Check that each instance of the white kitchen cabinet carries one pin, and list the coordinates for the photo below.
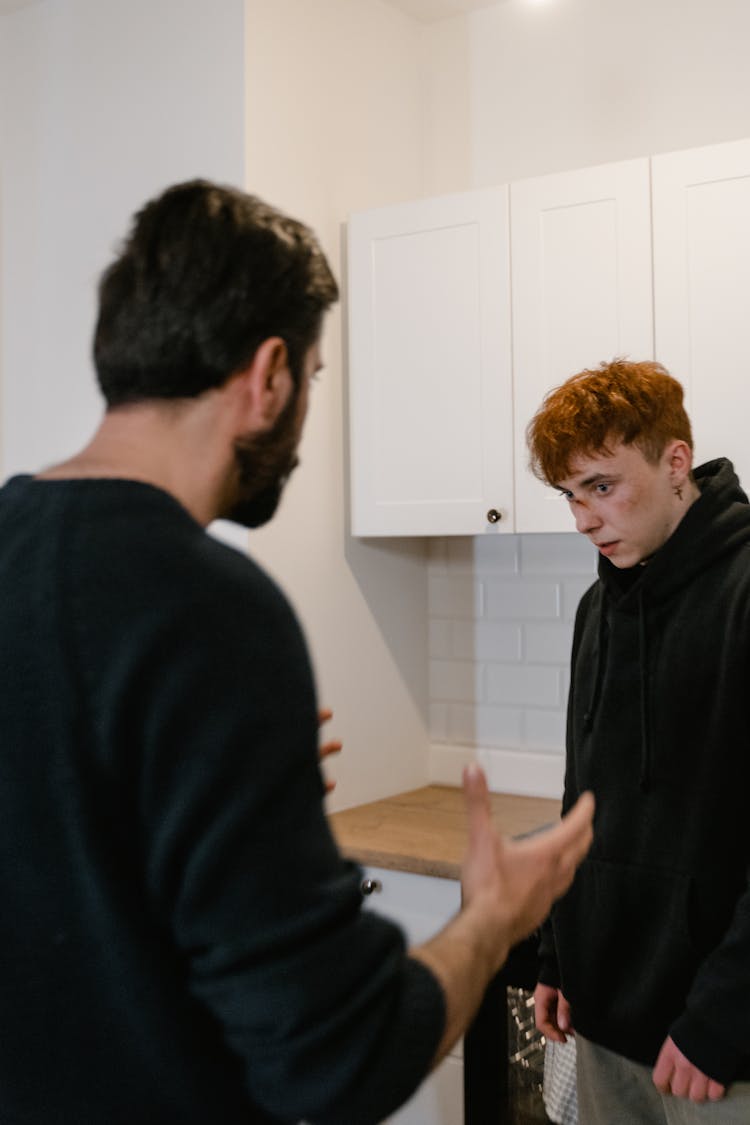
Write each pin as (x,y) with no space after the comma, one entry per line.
(701,207)
(437,411)
(430,398)
(422,905)
(581,293)
(639,258)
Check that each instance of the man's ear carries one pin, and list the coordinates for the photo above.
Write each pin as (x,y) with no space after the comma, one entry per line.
(266,384)
(680,458)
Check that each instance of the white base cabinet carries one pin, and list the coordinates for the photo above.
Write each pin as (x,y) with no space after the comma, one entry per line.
(422,905)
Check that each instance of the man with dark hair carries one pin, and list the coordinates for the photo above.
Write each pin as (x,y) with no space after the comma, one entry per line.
(181,941)
(648,955)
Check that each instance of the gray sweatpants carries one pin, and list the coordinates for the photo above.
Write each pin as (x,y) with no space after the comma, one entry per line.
(614,1091)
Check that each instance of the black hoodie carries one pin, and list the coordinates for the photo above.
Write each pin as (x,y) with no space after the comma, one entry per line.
(653,939)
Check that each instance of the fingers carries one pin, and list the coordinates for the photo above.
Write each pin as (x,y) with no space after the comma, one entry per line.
(674,1074)
(478,811)
(662,1073)
(577,825)
(546,1004)
(328,748)
(564,1019)
(571,839)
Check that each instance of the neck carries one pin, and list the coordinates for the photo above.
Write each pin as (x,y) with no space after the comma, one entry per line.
(177,447)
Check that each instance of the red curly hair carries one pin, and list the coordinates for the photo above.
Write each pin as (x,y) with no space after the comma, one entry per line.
(638,404)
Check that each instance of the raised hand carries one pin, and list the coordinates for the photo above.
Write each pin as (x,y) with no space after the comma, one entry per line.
(328,748)
(520,879)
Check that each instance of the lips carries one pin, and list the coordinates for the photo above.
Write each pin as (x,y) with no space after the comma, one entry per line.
(606,549)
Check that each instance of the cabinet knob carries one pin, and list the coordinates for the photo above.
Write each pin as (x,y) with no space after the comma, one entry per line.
(371,886)
(494,516)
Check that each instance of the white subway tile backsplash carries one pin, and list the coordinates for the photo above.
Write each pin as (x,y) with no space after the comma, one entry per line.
(520,600)
(441,639)
(573,590)
(523,684)
(459,554)
(496,554)
(545,730)
(509,771)
(501,625)
(485,726)
(486,640)
(557,554)
(547,642)
(437,552)
(454,680)
(439,722)
(455,596)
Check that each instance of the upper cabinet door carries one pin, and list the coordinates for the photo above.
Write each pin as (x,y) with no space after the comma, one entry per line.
(702,291)
(430,380)
(582,293)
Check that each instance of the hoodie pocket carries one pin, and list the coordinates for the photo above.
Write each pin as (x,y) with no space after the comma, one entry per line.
(624,946)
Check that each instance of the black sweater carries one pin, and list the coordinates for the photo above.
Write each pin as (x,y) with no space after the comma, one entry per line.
(180,940)
(654,937)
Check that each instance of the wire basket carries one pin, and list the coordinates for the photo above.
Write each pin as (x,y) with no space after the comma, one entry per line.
(525,1060)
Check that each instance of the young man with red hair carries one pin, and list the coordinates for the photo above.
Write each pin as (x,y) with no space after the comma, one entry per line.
(647,957)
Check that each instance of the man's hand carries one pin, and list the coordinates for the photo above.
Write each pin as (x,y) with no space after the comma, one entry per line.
(675,1074)
(508,887)
(518,880)
(552,1013)
(332,747)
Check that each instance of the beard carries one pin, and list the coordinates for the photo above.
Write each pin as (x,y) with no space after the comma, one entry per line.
(264,463)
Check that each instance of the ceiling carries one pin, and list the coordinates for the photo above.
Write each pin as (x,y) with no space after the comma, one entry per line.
(12,5)
(424,10)
(428,11)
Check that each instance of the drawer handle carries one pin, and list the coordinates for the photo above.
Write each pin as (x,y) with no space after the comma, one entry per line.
(371,886)
(494,516)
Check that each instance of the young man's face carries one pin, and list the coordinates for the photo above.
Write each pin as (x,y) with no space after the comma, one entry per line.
(624,503)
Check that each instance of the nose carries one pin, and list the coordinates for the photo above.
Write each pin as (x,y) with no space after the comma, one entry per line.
(586,520)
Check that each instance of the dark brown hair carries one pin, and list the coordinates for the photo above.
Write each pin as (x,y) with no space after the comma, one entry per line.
(205,275)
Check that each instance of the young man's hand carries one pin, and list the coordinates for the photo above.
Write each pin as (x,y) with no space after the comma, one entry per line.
(675,1074)
(552,1013)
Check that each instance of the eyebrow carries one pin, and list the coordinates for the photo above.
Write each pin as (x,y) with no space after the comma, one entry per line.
(593,479)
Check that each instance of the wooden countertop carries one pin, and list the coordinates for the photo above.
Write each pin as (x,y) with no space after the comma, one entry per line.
(424,830)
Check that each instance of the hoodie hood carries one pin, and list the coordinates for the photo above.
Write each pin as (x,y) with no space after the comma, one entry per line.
(716,524)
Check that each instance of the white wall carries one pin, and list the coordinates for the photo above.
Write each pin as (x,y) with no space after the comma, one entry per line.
(102,104)
(349,104)
(335,104)
(567,83)
(545,88)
